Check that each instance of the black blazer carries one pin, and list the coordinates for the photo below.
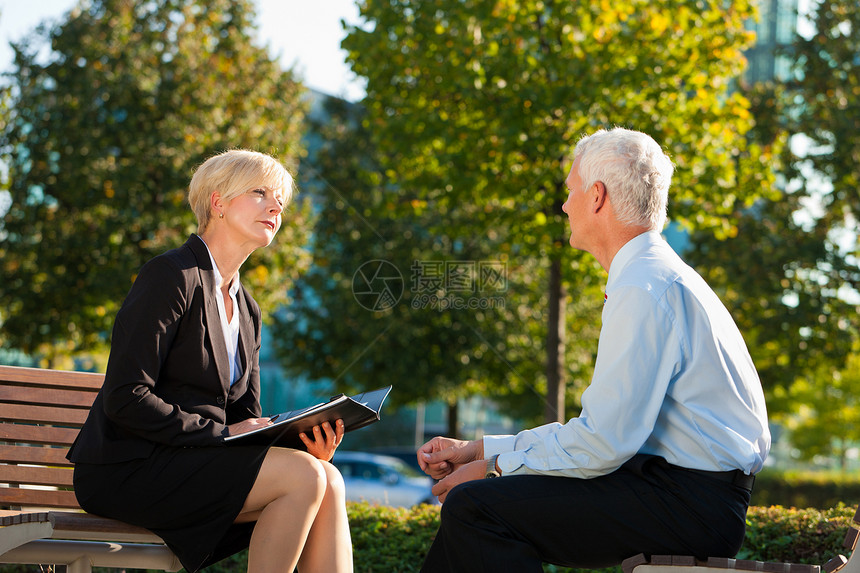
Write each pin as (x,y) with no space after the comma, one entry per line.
(168,374)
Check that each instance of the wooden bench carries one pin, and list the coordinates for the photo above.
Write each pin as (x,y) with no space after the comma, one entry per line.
(40,520)
(686,564)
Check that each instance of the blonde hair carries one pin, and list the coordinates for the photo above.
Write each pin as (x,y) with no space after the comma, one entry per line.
(232,173)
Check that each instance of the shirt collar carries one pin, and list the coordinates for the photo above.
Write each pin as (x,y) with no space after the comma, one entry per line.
(629,251)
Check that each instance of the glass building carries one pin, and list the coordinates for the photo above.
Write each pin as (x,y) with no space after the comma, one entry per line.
(776,28)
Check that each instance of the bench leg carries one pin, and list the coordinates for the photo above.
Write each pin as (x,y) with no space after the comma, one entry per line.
(81,565)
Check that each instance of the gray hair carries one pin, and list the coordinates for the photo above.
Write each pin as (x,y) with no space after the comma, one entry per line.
(634,169)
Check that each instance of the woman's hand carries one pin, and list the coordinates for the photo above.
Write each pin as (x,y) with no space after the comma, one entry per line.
(248,425)
(323,447)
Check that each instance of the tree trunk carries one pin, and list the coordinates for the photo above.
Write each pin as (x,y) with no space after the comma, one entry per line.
(842,452)
(453,421)
(555,368)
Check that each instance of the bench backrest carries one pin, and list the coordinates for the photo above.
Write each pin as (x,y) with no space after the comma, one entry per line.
(40,414)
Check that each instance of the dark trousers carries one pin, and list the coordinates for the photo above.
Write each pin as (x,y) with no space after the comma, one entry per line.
(647,506)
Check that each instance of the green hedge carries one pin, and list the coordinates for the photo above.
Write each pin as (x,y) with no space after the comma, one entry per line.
(796,535)
(395,540)
(806,489)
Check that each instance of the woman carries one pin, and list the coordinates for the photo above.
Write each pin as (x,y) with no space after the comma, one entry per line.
(183,374)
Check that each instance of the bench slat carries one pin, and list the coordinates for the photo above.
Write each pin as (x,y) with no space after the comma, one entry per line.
(37,434)
(67,521)
(36,475)
(34,455)
(46,396)
(38,498)
(51,378)
(45,414)
(72,521)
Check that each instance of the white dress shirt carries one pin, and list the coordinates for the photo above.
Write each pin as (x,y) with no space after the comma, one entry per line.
(673,378)
(229,328)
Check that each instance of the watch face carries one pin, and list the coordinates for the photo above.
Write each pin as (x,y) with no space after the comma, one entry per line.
(491,468)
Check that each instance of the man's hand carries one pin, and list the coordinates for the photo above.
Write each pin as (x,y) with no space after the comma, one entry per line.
(468,472)
(323,447)
(441,456)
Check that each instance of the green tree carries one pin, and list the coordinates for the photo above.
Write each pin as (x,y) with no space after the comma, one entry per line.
(5,197)
(827,422)
(100,145)
(419,338)
(824,101)
(477,104)
(827,105)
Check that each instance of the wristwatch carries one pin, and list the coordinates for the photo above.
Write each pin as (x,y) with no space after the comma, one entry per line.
(491,468)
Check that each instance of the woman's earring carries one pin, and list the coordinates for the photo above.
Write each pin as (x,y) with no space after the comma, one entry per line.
(220,215)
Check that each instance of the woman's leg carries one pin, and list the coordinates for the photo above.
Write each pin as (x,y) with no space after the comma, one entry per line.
(329,547)
(291,495)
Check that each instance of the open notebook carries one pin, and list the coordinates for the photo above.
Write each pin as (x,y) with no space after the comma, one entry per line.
(356,412)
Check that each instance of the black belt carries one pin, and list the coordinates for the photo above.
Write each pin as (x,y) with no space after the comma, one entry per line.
(734,477)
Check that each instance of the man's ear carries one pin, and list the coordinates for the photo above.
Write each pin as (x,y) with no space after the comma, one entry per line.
(599,197)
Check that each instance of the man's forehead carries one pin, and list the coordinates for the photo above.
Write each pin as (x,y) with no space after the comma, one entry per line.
(574,168)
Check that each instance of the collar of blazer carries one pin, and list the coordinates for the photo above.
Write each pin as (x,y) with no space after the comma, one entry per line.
(213,320)
(247,337)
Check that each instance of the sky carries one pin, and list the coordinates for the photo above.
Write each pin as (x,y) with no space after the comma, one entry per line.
(304,34)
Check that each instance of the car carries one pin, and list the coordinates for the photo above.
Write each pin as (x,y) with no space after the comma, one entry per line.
(383,480)
(404,454)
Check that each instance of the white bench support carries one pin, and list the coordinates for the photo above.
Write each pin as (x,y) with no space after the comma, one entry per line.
(81,541)
(82,556)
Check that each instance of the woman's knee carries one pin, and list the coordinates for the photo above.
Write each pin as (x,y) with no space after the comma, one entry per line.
(297,471)
(334,480)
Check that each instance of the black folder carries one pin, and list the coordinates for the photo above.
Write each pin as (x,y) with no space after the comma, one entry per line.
(356,412)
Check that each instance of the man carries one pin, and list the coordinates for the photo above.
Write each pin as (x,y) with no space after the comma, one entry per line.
(673,425)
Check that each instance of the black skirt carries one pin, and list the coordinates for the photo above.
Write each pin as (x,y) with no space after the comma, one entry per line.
(189,497)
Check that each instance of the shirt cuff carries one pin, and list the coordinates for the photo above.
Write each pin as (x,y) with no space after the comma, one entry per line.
(494,445)
(509,460)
